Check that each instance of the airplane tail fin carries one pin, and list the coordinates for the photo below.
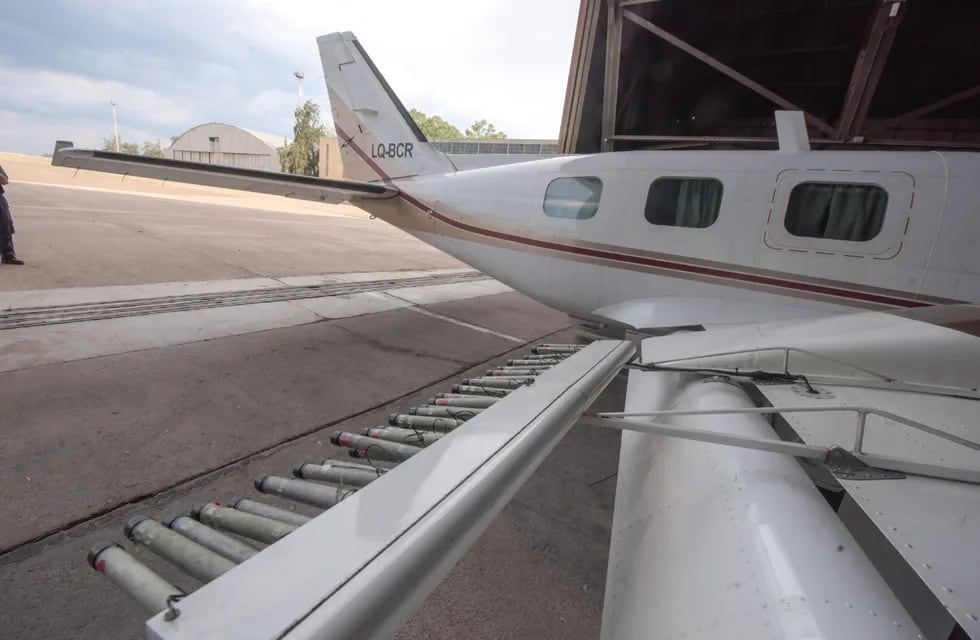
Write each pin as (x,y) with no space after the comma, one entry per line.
(379,140)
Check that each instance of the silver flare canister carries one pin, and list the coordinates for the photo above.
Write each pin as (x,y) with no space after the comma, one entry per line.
(134,578)
(249,525)
(217,541)
(194,559)
(269,511)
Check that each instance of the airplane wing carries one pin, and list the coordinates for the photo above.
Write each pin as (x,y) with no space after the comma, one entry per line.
(795,479)
(361,568)
(869,532)
(270,182)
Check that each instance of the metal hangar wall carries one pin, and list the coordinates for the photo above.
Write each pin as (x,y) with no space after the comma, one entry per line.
(710,73)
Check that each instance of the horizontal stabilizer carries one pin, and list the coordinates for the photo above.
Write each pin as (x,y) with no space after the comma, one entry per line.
(270,182)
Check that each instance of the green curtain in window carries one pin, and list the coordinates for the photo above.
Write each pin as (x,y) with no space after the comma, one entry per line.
(698,202)
(852,212)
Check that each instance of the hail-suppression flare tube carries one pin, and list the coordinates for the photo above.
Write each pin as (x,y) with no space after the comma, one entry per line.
(373,447)
(311,493)
(413,437)
(196,560)
(461,414)
(249,525)
(504,382)
(516,371)
(434,424)
(340,474)
(469,390)
(262,509)
(134,578)
(531,362)
(457,400)
(221,543)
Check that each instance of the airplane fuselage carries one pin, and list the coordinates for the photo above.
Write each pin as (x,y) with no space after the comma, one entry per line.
(617,249)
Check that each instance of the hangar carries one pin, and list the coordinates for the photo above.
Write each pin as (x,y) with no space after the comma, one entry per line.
(226,144)
(706,74)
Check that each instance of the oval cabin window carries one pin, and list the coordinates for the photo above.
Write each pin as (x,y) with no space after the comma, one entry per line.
(576,198)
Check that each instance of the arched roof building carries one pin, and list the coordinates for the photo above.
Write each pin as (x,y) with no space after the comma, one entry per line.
(226,144)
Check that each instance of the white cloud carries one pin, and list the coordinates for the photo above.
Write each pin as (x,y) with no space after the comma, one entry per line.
(50,91)
(174,64)
(24,133)
(503,60)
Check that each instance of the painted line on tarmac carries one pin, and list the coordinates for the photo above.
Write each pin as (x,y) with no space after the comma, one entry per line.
(468,325)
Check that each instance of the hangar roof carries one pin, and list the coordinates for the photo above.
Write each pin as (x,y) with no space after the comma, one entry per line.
(240,139)
(868,72)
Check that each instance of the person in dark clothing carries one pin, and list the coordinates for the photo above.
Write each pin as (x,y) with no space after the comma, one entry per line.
(7,254)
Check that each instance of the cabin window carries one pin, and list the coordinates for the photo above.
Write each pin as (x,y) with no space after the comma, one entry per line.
(683,202)
(576,198)
(836,211)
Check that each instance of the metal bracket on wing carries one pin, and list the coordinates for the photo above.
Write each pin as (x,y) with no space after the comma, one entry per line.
(874,380)
(846,465)
(826,455)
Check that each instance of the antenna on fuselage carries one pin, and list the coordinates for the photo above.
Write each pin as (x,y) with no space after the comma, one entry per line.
(791,132)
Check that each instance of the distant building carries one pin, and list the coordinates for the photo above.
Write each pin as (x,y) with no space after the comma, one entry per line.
(226,144)
(465,153)
(468,146)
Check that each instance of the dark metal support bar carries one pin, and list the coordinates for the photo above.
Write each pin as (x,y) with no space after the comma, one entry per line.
(868,67)
(929,108)
(614,43)
(885,142)
(578,75)
(725,69)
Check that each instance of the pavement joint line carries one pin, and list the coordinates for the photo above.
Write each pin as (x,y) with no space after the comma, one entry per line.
(136,350)
(468,325)
(44,537)
(26,317)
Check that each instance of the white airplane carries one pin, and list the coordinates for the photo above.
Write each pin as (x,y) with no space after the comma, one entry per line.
(800,454)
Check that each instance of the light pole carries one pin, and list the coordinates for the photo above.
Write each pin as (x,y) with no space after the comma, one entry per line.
(299,87)
(115,124)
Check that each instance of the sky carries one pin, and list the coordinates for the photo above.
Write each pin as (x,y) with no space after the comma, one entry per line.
(173,64)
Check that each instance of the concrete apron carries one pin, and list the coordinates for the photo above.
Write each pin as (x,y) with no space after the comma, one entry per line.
(26,347)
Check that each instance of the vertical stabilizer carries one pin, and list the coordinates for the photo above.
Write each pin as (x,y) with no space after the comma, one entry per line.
(379,139)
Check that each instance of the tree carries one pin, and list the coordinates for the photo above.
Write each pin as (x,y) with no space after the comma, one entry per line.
(152,149)
(109,144)
(485,131)
(302,155)
(434,127)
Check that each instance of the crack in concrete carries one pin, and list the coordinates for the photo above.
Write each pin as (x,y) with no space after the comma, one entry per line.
(390,348)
